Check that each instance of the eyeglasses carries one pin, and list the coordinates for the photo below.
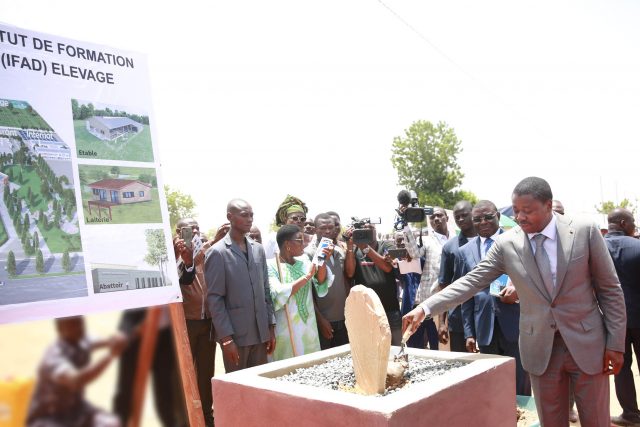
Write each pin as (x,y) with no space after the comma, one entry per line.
(298,218)
(297,240)
(487,217)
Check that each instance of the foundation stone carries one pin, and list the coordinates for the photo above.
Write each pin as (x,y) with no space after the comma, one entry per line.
(370,338)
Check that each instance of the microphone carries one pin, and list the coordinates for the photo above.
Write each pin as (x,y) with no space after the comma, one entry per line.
(404,198)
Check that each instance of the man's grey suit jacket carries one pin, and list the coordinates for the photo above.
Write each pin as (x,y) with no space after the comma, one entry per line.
(587,305)
(238,295)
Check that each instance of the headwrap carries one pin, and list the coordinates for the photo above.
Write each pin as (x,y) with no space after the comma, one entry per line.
(290,204)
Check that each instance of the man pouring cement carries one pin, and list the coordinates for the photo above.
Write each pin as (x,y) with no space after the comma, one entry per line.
(572,311)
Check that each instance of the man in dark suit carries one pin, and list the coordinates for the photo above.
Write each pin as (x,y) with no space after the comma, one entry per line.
(238,295)
(490,321)
(625,252)
(572,312)
(450,327)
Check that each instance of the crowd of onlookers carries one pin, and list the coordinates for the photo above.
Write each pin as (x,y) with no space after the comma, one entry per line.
(282,294)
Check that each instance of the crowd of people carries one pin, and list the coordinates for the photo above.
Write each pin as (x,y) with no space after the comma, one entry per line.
(552,293)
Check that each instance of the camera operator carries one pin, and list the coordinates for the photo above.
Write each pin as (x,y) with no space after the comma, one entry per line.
(369,265)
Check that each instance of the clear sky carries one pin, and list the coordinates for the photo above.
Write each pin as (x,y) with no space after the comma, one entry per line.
(258,99)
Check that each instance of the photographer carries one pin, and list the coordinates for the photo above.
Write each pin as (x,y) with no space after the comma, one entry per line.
(368,265)
(194,291)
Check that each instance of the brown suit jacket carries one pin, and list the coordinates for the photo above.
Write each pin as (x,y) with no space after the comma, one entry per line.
(587,305)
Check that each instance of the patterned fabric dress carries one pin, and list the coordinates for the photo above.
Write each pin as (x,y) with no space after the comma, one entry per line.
(299,307)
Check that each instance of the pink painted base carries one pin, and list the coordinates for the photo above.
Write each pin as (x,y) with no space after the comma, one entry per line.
(481,393)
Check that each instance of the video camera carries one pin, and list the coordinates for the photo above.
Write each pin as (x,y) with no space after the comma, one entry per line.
(413,212)
(362,235)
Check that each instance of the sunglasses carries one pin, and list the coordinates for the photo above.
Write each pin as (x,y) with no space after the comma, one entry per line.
(487,217)
(297,240)
(298,218)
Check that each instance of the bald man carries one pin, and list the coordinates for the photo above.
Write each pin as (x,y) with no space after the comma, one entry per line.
(625,252)
(239,296)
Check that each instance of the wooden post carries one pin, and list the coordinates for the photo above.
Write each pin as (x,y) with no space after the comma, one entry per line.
(145,358)
(185,365)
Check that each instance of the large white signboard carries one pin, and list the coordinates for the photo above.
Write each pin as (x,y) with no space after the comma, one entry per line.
(84,223)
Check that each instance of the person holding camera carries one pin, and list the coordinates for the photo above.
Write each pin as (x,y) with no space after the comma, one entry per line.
(190,259)
(330,308)
(368,264)
(293,279)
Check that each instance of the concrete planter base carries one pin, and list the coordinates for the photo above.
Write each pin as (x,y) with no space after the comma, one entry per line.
(481,393)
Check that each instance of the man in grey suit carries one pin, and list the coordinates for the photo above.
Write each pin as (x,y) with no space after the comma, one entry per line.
(572,311)
(238,293)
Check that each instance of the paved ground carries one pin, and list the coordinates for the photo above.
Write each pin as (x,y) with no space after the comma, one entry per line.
(23,345)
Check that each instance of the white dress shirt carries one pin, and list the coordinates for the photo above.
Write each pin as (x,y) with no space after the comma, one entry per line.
(483,247)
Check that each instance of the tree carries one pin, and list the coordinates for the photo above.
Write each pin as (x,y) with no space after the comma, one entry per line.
(66,262)
(39,262)
(115,171)
(156,250)
(608,206)
(11,263)
(36,240)
(57,216)
(75,109)
(425,160)
(180,205)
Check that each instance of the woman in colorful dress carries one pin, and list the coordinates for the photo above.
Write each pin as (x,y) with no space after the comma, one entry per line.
(291,276)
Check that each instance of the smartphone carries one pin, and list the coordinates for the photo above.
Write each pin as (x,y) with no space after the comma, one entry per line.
(186,234)
(397,253)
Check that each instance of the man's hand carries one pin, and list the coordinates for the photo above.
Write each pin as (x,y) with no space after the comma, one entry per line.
(443,333)
(230,353)
(613,361)
(222,231)
(413,319)
(181,249)
(509,295)
(328,251)
(325,327)
(271,344)
(471,345)
(348,232)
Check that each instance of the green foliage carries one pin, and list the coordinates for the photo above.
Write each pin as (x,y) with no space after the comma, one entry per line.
(608,206)
(21,118)
(425,160)
(115,171)
(39,261)
(156,247)
(11,263)
(181,205)
(66,262)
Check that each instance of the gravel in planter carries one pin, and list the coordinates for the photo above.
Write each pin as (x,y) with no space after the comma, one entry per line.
(337,373)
